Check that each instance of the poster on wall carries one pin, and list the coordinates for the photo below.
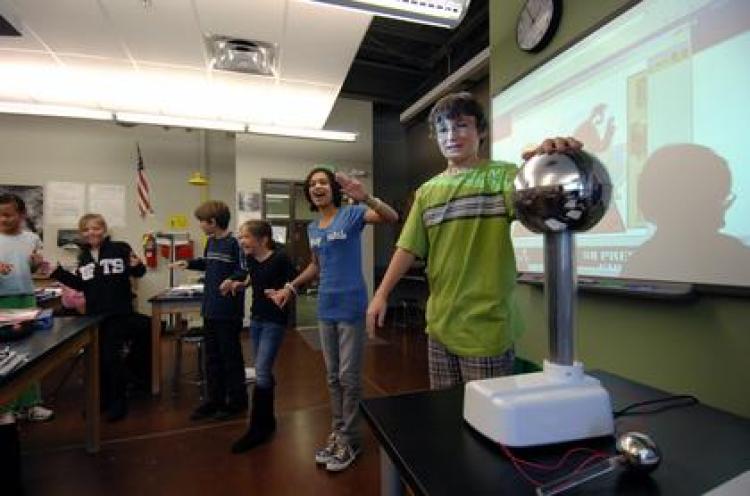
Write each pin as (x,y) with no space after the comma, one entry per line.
(248,201)
(65,203)
(33,198)
(109,201)
(68,239)
(248,206)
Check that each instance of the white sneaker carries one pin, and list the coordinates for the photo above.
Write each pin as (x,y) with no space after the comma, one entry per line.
(38,413)
(324,455)
(249,375)
(343,456)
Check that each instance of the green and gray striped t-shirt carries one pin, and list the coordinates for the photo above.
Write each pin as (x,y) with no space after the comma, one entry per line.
(461,224)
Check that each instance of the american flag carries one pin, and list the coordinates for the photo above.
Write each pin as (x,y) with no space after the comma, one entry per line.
(144,198)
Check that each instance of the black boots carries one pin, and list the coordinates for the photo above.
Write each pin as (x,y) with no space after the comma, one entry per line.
(262,421)
(10,460)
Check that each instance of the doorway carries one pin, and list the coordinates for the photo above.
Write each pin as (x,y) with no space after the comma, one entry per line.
(284,206)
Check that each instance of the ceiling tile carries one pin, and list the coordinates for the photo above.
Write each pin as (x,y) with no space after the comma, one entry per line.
(24,42)
(71,26)
(320,42)
(259,20)
(95,39)
(165,32)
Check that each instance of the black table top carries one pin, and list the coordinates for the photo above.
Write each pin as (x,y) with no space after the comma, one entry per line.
(437,453)
(168,296)
(43,342)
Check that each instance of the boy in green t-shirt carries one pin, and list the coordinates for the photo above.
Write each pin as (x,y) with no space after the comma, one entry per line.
(460,223)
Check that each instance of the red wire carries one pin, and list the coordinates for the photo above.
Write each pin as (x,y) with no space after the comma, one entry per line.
(588,461)
(517,462)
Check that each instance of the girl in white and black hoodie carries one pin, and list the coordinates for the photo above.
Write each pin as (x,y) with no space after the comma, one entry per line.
(103,275)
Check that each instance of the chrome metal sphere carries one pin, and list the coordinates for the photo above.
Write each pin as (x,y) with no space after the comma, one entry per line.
(639,451)
(561,192)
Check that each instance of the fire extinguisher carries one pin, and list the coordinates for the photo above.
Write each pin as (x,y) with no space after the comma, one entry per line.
(149,250)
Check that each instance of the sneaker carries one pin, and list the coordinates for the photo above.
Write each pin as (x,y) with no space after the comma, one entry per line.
(324,455)
(204,411)
(343,456)
(38,413)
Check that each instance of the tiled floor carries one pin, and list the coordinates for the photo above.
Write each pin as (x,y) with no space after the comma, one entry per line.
(158,451)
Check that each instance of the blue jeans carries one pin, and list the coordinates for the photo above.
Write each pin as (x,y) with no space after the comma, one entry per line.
(267,337)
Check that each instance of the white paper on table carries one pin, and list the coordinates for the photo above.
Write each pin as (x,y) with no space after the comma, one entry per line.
(64,203)
(109,201)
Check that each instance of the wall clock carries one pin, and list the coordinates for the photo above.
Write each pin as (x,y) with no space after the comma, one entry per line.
(537,24)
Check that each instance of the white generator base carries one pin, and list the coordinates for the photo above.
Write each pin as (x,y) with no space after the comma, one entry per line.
(556,405)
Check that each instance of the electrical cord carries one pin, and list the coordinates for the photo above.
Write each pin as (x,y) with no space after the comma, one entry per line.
(667,403)
(677,401)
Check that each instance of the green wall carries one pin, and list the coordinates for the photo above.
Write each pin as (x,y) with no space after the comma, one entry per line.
(507,62)
(701,347)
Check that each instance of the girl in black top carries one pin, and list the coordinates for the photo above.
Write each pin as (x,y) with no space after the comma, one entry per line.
(268,268)
(103,275)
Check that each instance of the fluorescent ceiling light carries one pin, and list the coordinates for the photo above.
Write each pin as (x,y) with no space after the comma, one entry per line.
(54,111)
(323,134)
(442,13)
(166,120)
(171,121)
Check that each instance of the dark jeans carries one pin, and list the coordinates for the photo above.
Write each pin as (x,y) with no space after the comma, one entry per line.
(115,334)
(267,337)
(225,369)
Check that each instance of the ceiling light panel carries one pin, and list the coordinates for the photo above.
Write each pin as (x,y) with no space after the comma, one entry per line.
(244,98)
(12,66)
(53,111)
(112,83)
(324,134)
(300,104)
(442,13)
(171,121)
(180,92)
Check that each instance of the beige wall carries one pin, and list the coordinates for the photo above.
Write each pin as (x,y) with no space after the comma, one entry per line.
(35,150)
(269,157)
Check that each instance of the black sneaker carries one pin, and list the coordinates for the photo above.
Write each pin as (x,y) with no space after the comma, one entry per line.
(227,412)
(205,410)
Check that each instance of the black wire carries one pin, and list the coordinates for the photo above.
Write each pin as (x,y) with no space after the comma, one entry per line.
(677,401)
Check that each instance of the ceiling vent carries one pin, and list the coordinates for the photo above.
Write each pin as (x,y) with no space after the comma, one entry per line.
(245,56)
(7,29)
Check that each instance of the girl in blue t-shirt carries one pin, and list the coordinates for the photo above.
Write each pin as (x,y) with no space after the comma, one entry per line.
(335,242)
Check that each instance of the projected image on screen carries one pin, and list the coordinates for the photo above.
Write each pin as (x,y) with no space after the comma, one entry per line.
(662,96)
